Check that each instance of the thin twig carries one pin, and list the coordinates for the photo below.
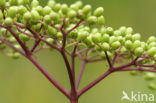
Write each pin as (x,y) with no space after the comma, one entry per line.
(85,89)
(48,76)
(76,26)
(80,74)
(108,60)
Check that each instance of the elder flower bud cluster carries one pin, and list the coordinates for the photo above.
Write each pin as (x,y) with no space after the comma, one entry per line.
(62,27)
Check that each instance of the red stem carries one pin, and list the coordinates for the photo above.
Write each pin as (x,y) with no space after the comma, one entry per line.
(108,60)
(35,45)
(38,37)
(48,76)
(73,61)
(80,74)
(77,25)
(74,101)
(85,89)
(68,69)
(19,41)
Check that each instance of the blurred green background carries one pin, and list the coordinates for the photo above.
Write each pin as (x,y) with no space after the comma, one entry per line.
(21,82)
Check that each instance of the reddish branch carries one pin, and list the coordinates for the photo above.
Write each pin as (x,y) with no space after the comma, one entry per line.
(80,73)
(108,60)
(47,75)
(76,26)
(85,89)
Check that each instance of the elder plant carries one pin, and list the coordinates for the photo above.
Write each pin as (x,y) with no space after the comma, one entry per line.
(76,32)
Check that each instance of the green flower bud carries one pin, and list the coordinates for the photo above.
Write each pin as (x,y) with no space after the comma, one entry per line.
(101,20)
(115,45)
(109,31)
(47,19)
(51,31)
(117,33)
(51,3)
(20,2)
(102,54)
(71,14)
(123,49)
(8,21)
(11,39)
(25,2)
(64,8)
(46,10)
(3,46)
(12,11)
(24,37)
(103,30)
(7,4)
(152,86)
(136,44)
(87,29)
(96,38)
(152,44)
(39,9)
(73,34)
(154,57)
(86,9)
(150,76)
(144,45)
(2,3)
(59,35)
(105,38)
(121,39)
(57,7)
(151,39)
(105,46)
(99,11)
(82,35)
(3,31)
(1,15)
(98,48)
(138,51)
(152,51)
(136,36)
(79,4)
(50,40)
(112,39)
(91,19)
(128,37)
(94,30)
(129,30)
(27,16)
(54,16)
(15,55)
(89,42)
(74,7)
(128,44)
(13,2)
(35,15)
(123,30)
(22,10)
(34,3)
(133,73)
(37,26)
